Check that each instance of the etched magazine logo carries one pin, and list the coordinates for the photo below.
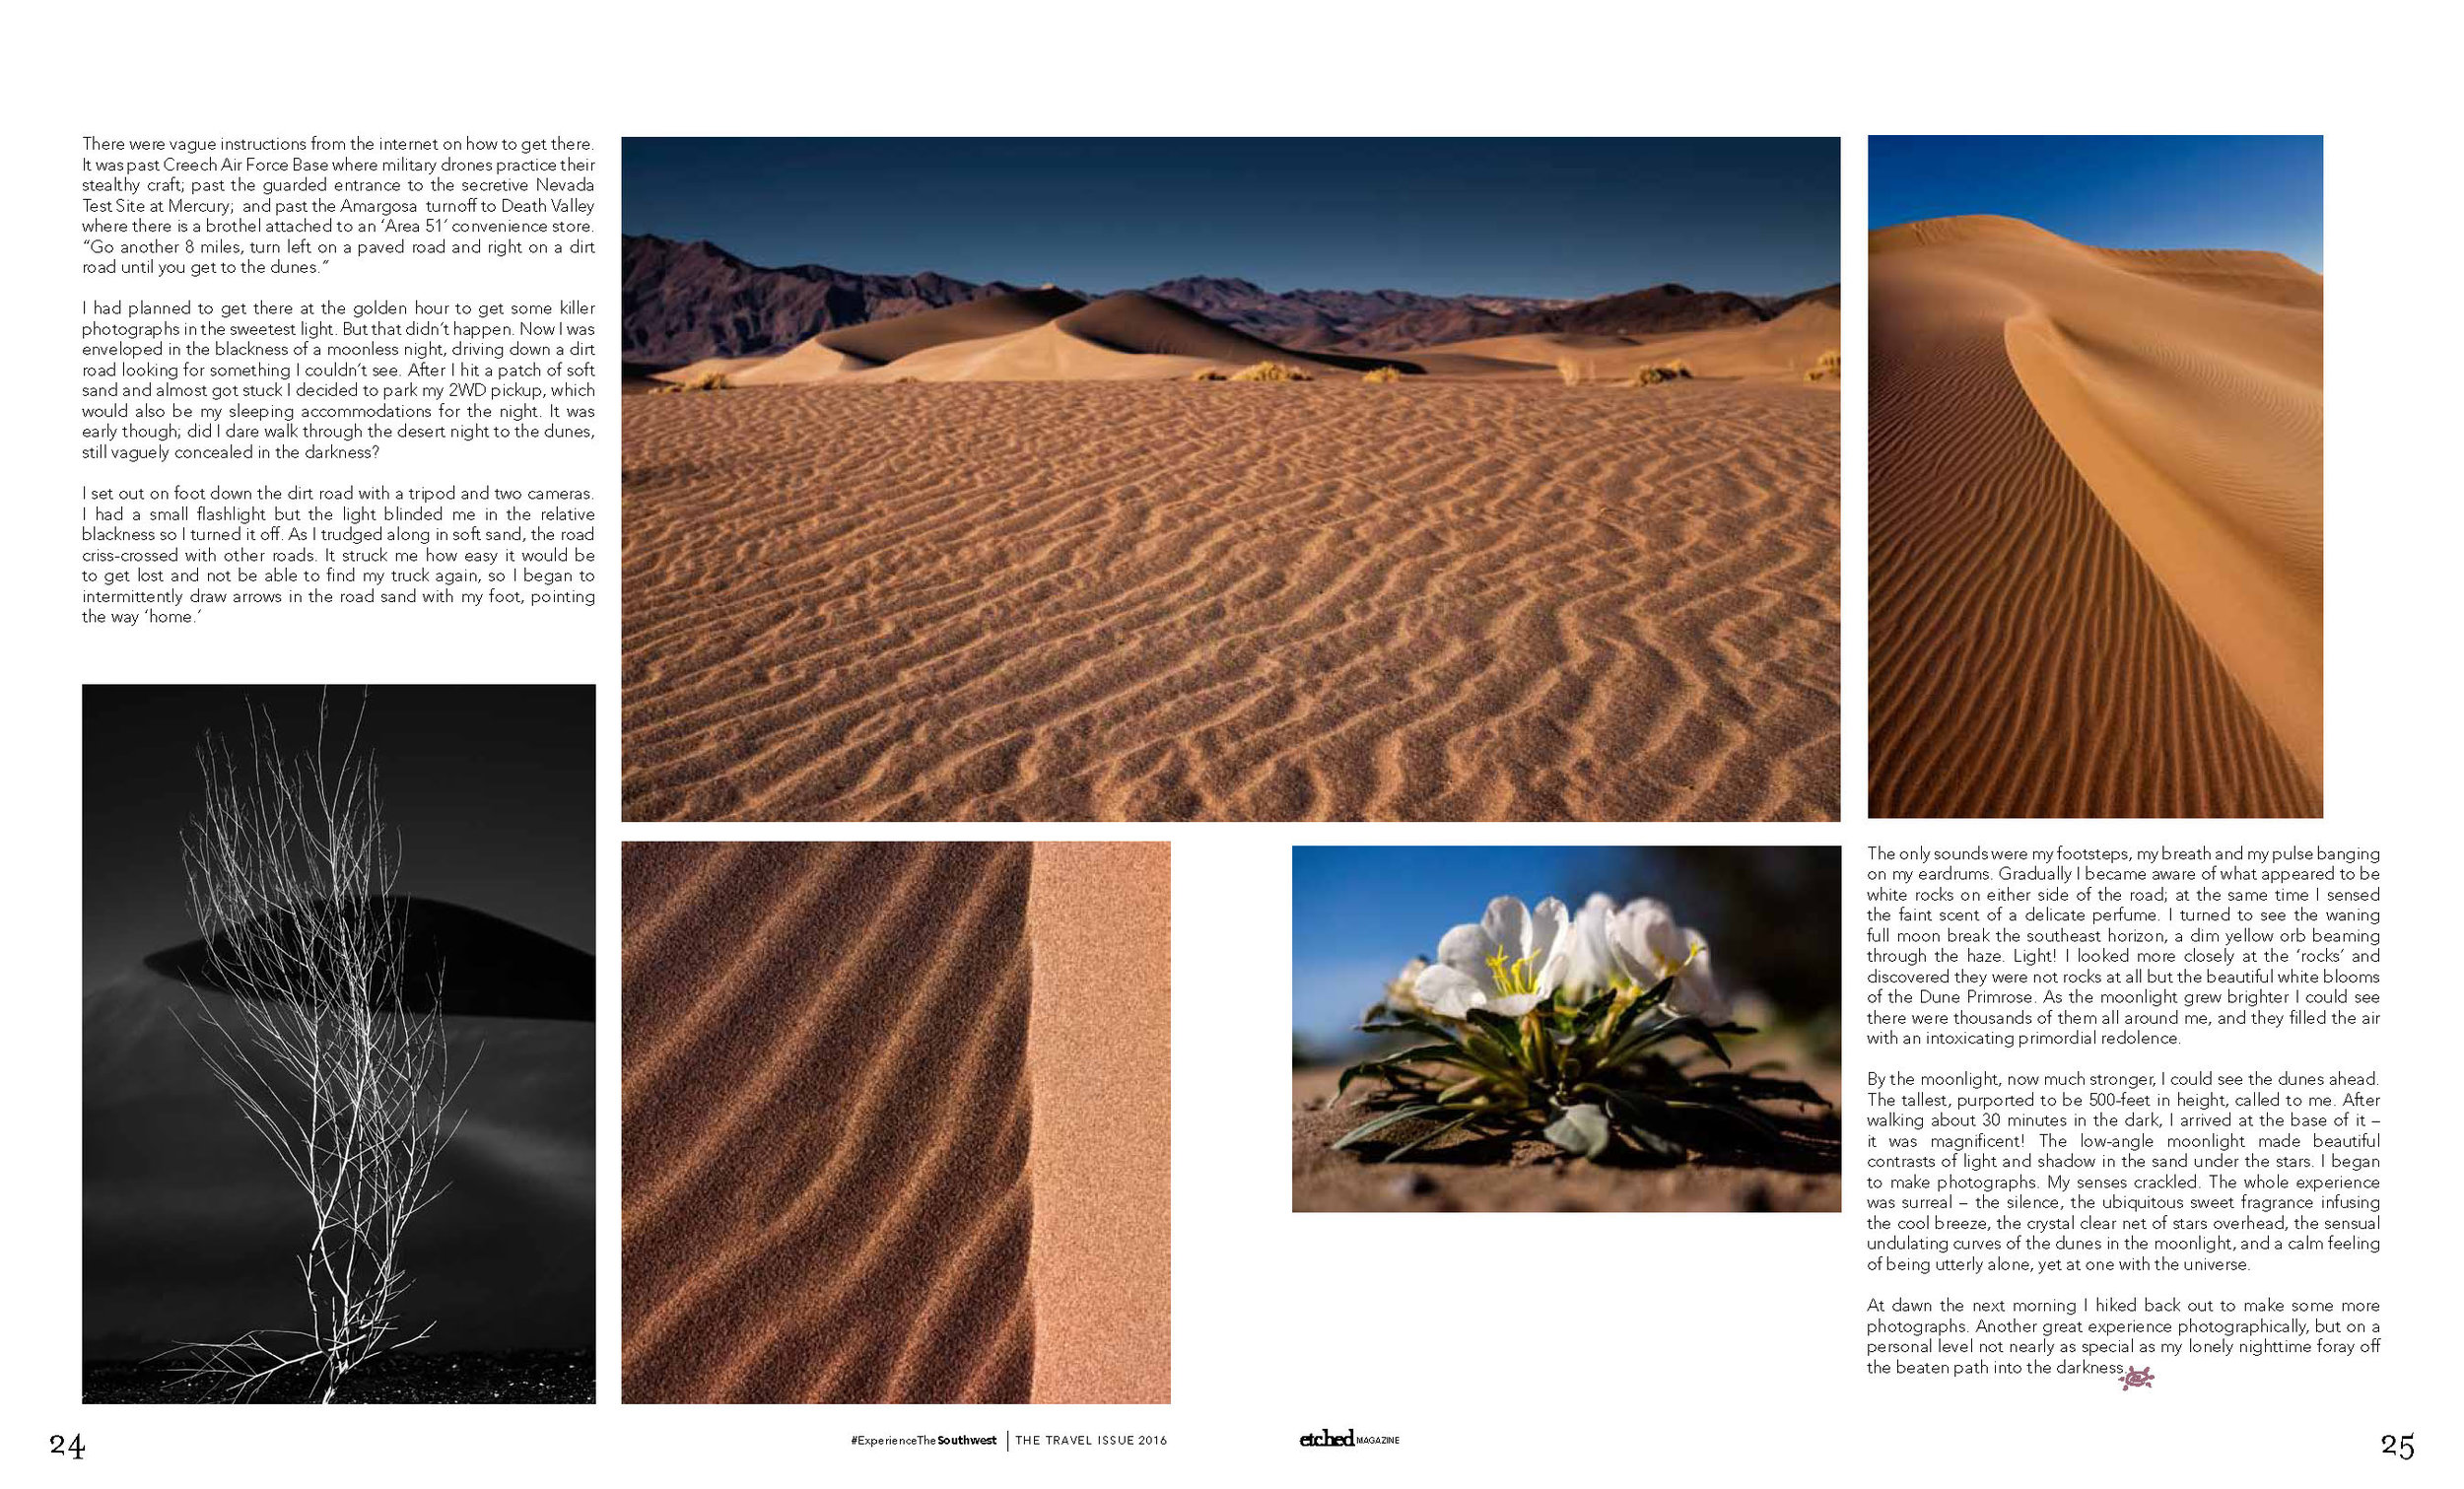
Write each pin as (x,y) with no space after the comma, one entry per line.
(1327,1437)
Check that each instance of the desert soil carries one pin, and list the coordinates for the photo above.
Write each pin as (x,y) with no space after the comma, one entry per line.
(1503,599)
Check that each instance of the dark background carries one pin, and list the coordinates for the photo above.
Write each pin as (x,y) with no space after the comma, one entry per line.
(190,1225)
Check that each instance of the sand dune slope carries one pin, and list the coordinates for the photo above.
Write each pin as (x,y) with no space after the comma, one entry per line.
(826,1123)
(1085,601)
(1129,336)
(2095,541)
(1783,347)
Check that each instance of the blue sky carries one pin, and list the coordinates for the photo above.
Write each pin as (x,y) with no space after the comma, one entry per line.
(1554,218)
(1358,913)
(2115,192)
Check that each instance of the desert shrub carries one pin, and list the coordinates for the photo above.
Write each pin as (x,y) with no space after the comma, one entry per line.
(707,382)
(1382,374)
(1825,366)
(291,874)
(1208,375)
(1648,378)
(1270,371)
(1570,370)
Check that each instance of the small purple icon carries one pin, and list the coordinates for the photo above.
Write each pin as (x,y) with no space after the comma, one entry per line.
(2136,1377)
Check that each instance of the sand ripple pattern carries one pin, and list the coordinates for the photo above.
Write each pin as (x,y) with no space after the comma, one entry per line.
(826,1123)
(1094,601)
(2027,660)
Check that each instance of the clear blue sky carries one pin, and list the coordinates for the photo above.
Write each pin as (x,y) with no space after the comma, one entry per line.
(2115,192)
(1556,218)
(1358,913)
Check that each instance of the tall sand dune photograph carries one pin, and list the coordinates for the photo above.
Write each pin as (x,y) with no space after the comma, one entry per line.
(2097,456)
(1042,480)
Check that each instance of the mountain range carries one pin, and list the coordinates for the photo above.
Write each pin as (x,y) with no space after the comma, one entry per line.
(687,300)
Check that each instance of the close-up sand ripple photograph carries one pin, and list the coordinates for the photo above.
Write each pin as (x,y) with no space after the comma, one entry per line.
(2097,455)
(897,1122)
(1046,480)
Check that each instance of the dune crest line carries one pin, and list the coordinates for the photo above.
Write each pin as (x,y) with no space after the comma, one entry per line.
(2097,522)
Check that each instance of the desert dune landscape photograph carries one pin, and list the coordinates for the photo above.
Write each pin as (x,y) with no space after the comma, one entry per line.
(1041,484)
(2098,454)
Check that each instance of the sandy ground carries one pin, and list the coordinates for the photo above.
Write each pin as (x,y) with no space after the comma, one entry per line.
(467,1379)
(830,1144)
(1502,599)
(2096,528)
(1536,1176)
(1099,1042)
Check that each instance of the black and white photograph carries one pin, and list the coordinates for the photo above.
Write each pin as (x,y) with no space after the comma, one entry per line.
(338,1126)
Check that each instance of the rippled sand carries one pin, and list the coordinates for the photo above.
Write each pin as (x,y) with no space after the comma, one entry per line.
(1460,600)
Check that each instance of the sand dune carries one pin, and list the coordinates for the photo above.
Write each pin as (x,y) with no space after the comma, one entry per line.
(1029,336)
(1497,600)
(2096,525)
(1783,348)
(829,1175)
(993,316)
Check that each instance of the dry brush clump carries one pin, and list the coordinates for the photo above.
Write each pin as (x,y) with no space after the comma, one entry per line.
(1382,374)
(1660,373)
(1272,372)
(1825,366)
(291,874)
(1569,371)
(1207,376)
(701,383)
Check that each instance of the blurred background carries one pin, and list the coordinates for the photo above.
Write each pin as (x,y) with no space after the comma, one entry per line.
(1771,915)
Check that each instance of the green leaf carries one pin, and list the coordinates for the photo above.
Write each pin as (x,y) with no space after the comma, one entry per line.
(1380,1123)
(1652,998)
(1430,1137)
(1408,1023)
(1507,1032)
(1582,1129)
(1653,1144)
(1763,1088)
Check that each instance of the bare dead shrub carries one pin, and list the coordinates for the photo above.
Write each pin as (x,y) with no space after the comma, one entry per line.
(291,872)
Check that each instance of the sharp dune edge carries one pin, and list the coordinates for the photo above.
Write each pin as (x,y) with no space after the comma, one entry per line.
(2096,556)
(1467,600)
(829,1162)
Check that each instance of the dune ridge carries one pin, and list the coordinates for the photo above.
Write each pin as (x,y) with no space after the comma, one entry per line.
(825,1124)
(1094,601)
(2096,536)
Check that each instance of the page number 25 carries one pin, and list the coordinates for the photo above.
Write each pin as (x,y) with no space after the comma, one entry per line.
(2396,1446)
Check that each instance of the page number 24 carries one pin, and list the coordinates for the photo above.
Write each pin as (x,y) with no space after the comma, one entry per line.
(2396,1446)
(69,1448)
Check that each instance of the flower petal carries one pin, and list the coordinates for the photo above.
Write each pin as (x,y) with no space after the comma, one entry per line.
(1509,924)
(1466,949)
(1514,1007)
(1447,994)
(1697,990)
(1549,923)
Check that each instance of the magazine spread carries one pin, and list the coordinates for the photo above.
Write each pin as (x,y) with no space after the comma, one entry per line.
(729,690)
